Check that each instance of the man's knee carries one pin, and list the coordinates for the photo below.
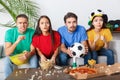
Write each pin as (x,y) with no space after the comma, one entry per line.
(63,58)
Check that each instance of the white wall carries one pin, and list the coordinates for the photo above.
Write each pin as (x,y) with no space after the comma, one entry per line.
(56,9)
(2,34)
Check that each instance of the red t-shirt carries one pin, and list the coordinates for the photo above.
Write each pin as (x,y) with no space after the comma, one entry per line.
(44,43)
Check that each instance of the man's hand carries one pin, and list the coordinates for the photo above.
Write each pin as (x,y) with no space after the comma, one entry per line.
(24,56)
(69,52)
(21,37)
(86,49)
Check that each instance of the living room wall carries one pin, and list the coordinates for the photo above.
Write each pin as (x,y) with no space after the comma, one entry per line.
(56,9)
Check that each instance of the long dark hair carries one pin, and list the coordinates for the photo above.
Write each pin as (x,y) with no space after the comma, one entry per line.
(103,26)
(39,32)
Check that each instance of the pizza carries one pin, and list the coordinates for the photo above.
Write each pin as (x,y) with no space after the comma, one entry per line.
(83,70)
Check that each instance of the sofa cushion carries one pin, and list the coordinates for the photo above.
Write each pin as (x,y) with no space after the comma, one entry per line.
(1,50)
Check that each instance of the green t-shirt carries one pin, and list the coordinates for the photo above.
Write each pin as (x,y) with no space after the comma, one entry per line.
(12,35)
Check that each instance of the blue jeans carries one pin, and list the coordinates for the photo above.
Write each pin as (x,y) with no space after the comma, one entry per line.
(104,52)
(63,58)
(9,66)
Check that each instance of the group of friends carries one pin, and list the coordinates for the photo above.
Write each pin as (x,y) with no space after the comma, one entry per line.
(44,43)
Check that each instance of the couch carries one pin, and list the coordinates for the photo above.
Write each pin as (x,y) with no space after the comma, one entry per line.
(114,45)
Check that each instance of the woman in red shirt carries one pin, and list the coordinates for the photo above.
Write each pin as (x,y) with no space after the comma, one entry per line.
(45,40)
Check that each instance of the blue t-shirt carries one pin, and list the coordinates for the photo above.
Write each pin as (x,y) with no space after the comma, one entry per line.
(12,35)
(69,38)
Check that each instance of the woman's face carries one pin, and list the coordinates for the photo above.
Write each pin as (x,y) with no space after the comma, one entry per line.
(97,22)
(44,24)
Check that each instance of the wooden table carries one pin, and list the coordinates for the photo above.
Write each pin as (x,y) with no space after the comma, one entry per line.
(38,74)
(54,74)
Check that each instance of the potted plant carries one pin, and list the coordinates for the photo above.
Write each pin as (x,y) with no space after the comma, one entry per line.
(15,7)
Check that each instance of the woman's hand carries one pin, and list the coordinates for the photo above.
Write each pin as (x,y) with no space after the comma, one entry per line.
(53,59)
(43,58)
(103,38)
(96,37)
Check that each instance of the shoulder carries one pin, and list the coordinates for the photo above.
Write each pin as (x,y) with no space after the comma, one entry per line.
(80,27)
(35,37)
(12,30)
(56,33)
(62,28)
(90,31)
(105,30)
(30,30)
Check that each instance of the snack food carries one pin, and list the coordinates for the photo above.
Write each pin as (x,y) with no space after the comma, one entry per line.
(15,59)
(91,63)
(46,65)
(83,70)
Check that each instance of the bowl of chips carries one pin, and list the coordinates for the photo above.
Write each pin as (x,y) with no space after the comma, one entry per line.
(15,59)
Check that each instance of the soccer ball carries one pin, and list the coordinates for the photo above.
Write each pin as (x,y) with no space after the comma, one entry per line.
(78,50)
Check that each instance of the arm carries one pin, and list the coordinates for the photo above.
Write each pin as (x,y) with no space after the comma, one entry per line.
(54,55)
(31,53)
(107,38)
(65,50)
(9,47)
(85,45)
(42,57)
(27,54)
(106,44)
(32,50)
(93,45)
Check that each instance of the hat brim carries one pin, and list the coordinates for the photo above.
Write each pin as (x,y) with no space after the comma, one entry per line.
(97,15)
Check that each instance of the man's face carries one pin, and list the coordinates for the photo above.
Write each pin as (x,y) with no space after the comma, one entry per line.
(22,24)
(71,24)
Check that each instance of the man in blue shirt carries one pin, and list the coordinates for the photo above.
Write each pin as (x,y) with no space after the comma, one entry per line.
(71,33)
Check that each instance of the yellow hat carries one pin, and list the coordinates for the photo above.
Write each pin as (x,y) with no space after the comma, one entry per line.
(94,13)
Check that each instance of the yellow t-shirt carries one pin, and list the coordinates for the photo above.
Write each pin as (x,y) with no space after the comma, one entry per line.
(99,43)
